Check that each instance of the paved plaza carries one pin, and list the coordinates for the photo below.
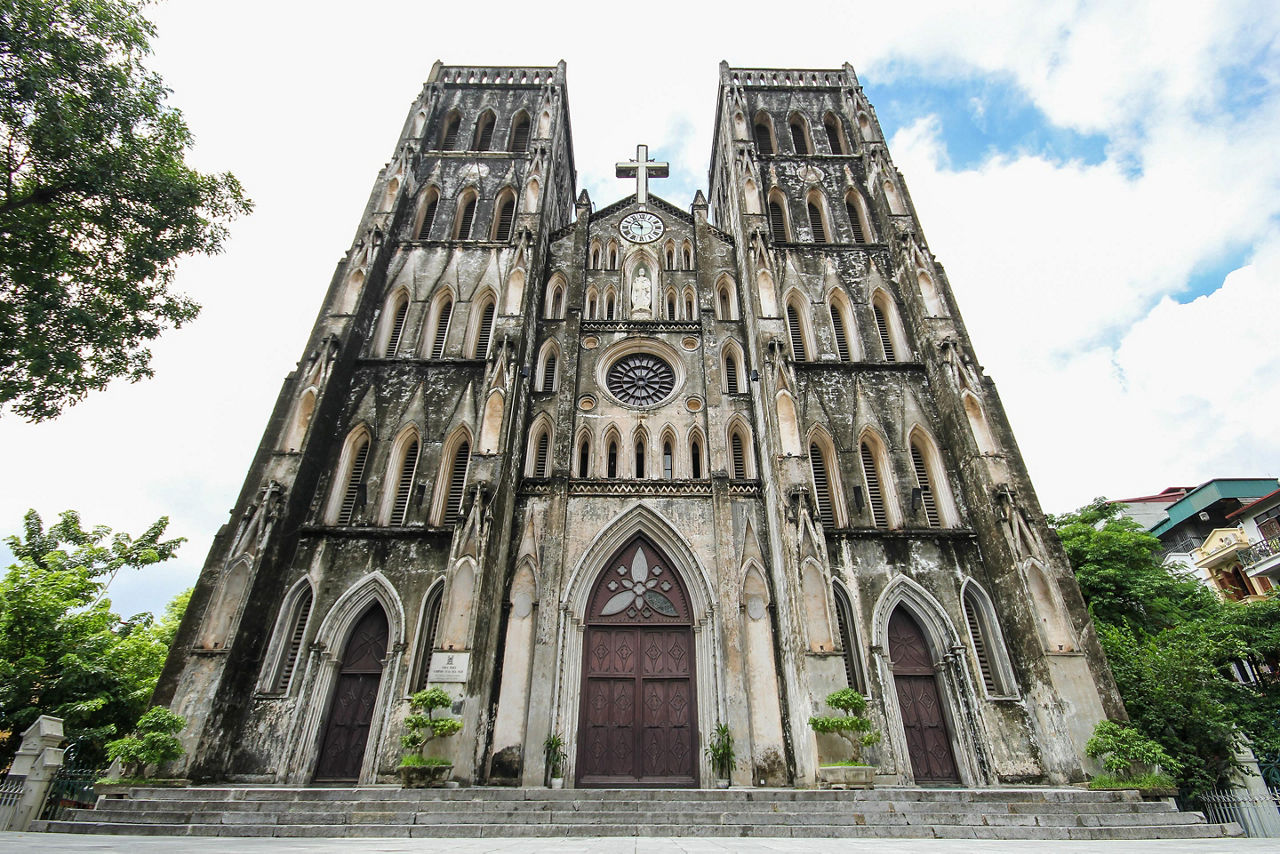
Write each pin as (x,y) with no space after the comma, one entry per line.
(29,843)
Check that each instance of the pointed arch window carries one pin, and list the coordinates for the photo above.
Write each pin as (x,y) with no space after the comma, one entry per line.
(686,256)
(449,136)
(353,494)
(404,483)
(841,333)
(541,456)
(816,222)
(795,328)
(725,304)
(427,638)
(834,136)
(584,457)
(927,498)
(484,329)
(595,256)
(549,365)
(671,256)
(739,459)
(466,216)
(882,327)
(848,639)
(457,483)
(640,455)
(611,467)
(396,330)
(484,132)
(799,135)
(988,646)
(555,306)
(609,306)
(591,303)
(671,304)
(688,306)
(875,494)
(822,486)
(731,372)
(854,210)
(429,214)
(506,215)
(520,134)
(763,134)
(613,255)
(668,460)
(291,631)
(440,330)
(695,458)
(777,220)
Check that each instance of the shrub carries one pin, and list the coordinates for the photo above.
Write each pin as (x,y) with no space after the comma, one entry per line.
(154,741)
(852,726)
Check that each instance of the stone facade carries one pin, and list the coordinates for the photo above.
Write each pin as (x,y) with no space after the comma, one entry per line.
(623,487)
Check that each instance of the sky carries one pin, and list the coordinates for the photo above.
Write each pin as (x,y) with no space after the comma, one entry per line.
(1099,180)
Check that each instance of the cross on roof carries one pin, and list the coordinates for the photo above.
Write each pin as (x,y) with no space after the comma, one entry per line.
(642,169)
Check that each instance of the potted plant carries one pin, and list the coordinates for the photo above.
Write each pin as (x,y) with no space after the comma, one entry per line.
(721,755)
(153,742)
(553,747)
(1132,761)
(418,771)
(854,728)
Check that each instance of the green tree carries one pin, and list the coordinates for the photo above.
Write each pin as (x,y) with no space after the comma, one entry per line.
(1171,643)
(97,203)
(63,651)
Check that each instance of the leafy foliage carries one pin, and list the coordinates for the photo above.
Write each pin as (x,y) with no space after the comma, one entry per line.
(721,752)
(852,726)
(1144,782)
(423,728)
(63,651)
(154,741)
(1171,643)
(96,204)
(553,749)
(1123,750)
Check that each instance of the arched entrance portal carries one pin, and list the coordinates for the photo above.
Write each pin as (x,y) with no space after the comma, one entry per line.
(637,725)
(923,721)
(351,709)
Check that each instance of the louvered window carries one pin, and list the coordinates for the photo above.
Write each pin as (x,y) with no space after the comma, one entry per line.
(612,469)
(882,326)
(520,135)
(730,374)
(484,330)
(457,481)
(668,460)
(584,458)
(764,140)
(430,624)
(980,646)
(855,223)
(926,488)
(609,308)
(355,483)
(506,213)
(797,138)
(465,217)
(818,464)
(848,638)
(639,458)
(442,329)
(777,222)
(874,495)
(815,223)
(837,325)
(833,134)
(695,459)
(484,133)
(739,455)
(797,334)
(449,139)
(397,329)
(671,306)
(540,458)
(428,217)
(404,486)
(301,611)
(549,373)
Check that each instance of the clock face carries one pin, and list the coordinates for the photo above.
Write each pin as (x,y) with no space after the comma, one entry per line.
(642,227)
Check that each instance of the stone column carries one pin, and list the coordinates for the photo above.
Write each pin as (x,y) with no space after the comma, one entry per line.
(37,761)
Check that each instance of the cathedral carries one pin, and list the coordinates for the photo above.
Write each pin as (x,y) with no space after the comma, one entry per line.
(625,473)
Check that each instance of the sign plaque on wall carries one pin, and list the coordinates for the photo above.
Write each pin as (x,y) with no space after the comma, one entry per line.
(449,667)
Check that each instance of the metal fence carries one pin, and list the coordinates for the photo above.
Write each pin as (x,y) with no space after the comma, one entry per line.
(1252,812)
(10,794)
(72,787)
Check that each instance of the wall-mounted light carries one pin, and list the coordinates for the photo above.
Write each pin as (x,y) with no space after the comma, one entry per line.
(755,376)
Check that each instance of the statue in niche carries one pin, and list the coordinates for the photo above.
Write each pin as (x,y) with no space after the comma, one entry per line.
(641,292)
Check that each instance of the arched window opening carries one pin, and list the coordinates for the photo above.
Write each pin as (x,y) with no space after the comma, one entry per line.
(441,332)
(695,459)
(882,326)
(763,135)
(397,327)
(640,449)
(671,256)
(520,134)
(449,136)
(466,216)
(668,461)
(848,639)
(506,215)
(591,305)
(612,464)
(777,220)
(724,304)
(297,627)
(429,215)
(301,420)
(816,223)
(796,331)
(404,484)
(609,307)
(549,372)
(484,132)
(671,305)
(737,456)
(731,373)
(875,496)
(799,136)
(834,138)
(584,457)
(427,640)
(557,303)
(595,256)
(855,220)
(987,645)
(837,326)
(822,486)
(927,498)
(686,257)
(540,457)
(457,482)
(484,330)
(354,492)
(613,255)
(688,306)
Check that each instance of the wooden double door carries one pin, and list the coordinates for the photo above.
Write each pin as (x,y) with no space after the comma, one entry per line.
(638,720)
(923,719)
(346,731)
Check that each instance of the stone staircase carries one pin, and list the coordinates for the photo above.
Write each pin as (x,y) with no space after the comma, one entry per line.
(388,811)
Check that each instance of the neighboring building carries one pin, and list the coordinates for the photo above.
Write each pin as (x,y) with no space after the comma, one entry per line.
(1150,510)
(1260,524)
(622,474)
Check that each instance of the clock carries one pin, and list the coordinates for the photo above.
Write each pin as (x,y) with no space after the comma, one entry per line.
(641,227)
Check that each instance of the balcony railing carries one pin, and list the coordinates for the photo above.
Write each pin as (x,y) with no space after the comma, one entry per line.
(1259,551)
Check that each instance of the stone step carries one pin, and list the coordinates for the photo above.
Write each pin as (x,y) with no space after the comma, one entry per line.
(1183,831)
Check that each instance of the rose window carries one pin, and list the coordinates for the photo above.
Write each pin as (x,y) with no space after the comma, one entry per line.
(641,379)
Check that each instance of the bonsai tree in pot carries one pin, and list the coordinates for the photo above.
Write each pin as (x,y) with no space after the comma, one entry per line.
(857,730)
(154,741)
(1131,760)
(553,747)
(418,771)
(721,755)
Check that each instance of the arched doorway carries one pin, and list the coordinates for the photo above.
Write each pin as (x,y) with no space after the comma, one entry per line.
(637,724)
(923,720)
(351,709)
